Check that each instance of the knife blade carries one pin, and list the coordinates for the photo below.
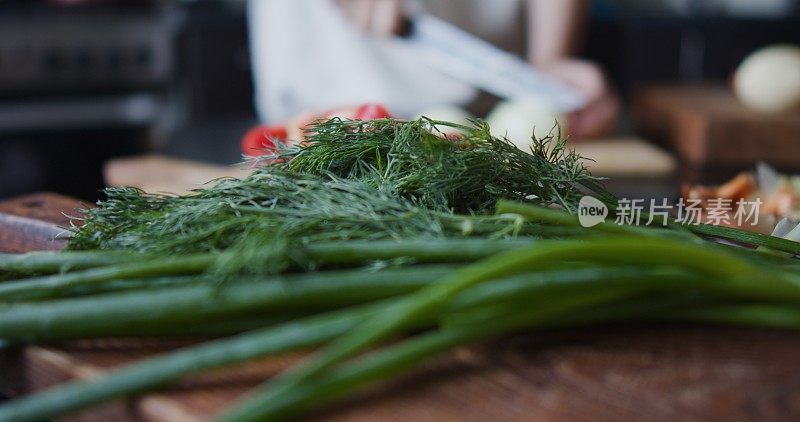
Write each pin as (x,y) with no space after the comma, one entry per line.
(472,60)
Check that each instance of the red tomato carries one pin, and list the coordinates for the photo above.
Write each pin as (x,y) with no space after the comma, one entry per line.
(261,140)
(348,113)
(368,111)
(372,111)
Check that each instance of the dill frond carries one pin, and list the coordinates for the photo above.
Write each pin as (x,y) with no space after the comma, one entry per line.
(252,220)
(463,174)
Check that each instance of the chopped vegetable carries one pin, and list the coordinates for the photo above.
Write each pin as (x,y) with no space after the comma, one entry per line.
(298,126)
(777,196)
(369,111)
(262,140)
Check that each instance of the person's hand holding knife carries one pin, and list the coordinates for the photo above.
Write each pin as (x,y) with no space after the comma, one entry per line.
(555,28)
(381,18)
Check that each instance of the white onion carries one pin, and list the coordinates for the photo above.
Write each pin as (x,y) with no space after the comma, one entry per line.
(447,113)
(517,119)
(769,79)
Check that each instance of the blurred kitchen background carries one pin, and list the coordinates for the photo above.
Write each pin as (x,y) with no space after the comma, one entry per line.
(85,81)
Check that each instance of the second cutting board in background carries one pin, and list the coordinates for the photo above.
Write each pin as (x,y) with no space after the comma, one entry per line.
(709,127)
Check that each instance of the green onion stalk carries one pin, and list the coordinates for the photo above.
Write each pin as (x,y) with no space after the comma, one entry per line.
(725,273)
(326,253)
(523,290)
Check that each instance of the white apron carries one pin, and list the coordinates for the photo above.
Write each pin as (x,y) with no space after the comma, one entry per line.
(308,57)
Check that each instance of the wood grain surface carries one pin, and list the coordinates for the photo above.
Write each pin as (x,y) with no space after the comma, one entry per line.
(35,222)
(708,126)
(639,372)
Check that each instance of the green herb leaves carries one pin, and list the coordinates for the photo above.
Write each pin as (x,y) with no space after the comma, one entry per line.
(443,166)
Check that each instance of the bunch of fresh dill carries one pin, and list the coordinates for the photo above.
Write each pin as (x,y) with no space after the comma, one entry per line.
(464,173)
(268,203)
(252,221)
(381,179)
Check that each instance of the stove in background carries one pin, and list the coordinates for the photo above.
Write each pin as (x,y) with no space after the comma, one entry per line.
(79,84)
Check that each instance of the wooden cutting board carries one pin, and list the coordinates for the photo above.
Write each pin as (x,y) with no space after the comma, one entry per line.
(161,174)
(641,372)
(628,157)
(709,127)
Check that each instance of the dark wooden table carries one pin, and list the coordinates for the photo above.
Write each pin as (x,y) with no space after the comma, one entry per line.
(642,372)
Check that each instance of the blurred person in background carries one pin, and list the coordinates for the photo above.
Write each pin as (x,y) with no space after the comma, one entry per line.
(312,55)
